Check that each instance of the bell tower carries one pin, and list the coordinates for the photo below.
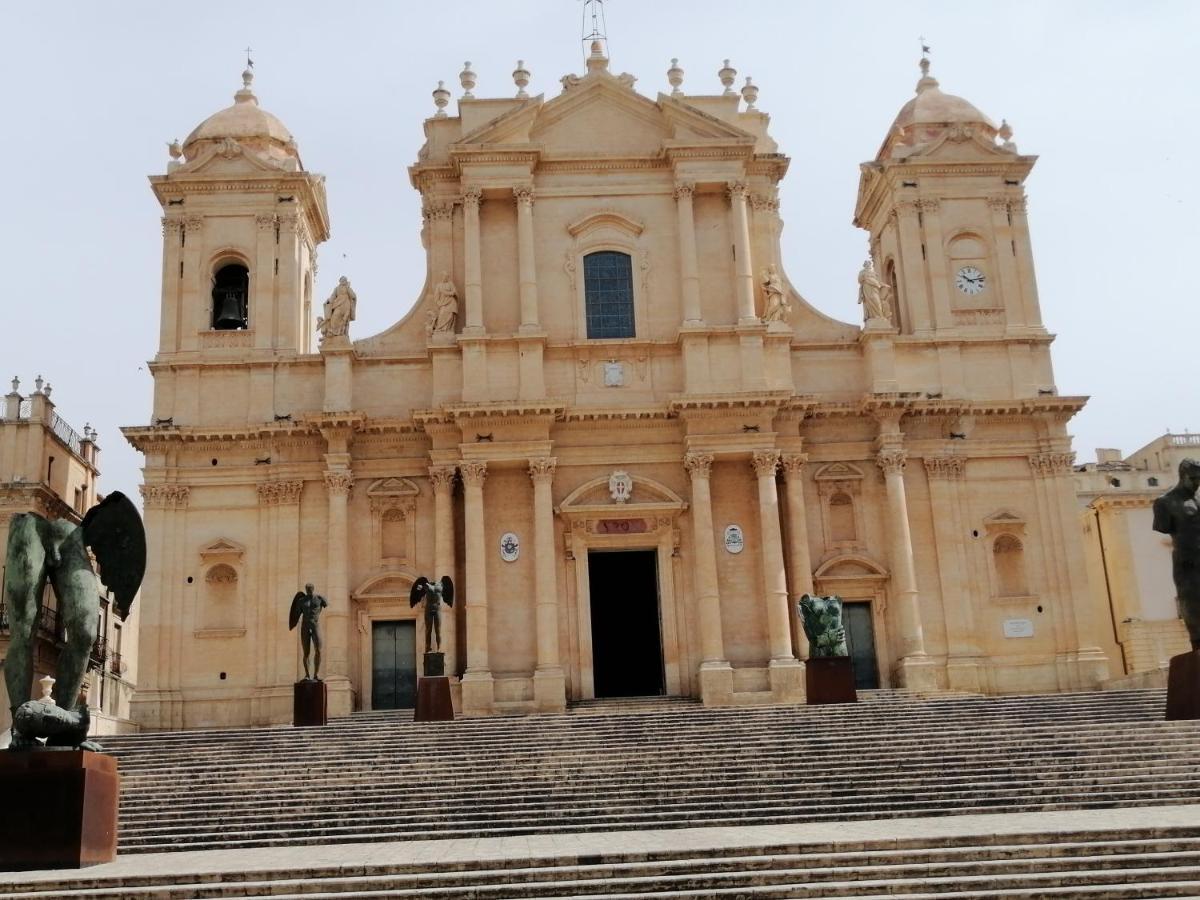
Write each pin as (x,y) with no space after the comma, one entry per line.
(944,203)
(241,222)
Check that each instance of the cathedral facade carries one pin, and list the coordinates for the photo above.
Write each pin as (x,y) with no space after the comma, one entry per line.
(609,417)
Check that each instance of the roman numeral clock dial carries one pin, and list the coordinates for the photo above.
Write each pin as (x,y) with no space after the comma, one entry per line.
(970,280)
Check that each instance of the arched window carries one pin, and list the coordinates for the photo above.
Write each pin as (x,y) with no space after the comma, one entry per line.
(608,294)
(1009,557)
(841,519)
(231,290)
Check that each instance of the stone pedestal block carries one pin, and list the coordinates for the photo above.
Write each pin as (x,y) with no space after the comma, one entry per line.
(550,690)
(435,664)
(478,693)
(59,809)
(918,673)
(310,703)
(716,684)
(433,699)
(830,679)
(786,678)
(1183,686)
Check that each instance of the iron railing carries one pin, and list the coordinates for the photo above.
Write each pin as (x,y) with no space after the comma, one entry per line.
(66,433)
(99,653)
(114,662)
(48,624)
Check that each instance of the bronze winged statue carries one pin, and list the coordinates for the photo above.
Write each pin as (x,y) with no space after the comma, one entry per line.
(56,550)
(306,608)
(433,594)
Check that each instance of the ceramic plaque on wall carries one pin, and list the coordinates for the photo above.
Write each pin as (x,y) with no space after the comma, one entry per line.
(1018,628)
(510,547)
(735,541)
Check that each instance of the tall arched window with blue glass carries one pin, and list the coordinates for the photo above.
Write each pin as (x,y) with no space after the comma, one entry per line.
(608,294)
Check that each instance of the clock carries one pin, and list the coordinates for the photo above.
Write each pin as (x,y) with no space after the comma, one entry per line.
(970,280)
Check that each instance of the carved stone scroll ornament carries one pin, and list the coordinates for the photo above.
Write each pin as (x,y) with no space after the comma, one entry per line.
(698,465)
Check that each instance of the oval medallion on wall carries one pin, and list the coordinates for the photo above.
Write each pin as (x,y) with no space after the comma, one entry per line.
(735,542)
(510,547)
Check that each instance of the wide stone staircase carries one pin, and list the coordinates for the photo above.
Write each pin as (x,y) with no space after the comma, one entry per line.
(657,766)
(379,776)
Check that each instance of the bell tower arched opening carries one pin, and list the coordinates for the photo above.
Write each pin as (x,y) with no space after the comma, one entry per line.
(230,297)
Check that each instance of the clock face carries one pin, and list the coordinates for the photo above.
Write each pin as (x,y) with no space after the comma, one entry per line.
(970,280)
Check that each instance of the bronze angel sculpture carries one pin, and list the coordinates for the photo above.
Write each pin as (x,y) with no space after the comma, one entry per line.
(434,594)
(306,608)
(56,550)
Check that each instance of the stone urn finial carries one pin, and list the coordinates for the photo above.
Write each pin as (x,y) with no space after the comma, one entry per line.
(727,74)
(48,390)
(675,78)
(441,97)
(520,77)
(37,384)
(467,79)
(16,384)
(749,93)
(174,149)
(47,684)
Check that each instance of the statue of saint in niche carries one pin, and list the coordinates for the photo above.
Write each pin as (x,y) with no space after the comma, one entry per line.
(873,294)
(444,315)
(1177,513)
(339,309)
(777,308)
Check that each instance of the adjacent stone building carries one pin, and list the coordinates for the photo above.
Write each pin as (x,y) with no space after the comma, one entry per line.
(48,468)
(609,416)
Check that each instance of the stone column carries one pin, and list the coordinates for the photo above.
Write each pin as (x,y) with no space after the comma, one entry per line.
(716,675)
(169,325)
(195,295)
(743,267)
(799,558)
(549,683)
(477,695)
(910,266)
(527,270)
(904,579)
(689,268)
(1020,228)
(785,670)
(472,266)
(334,656)
(935,262)
(442,479)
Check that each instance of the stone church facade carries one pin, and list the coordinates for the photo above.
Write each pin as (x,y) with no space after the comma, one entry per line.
(609,417)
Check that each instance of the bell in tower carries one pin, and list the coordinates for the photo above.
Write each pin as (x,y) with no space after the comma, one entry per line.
(231,287)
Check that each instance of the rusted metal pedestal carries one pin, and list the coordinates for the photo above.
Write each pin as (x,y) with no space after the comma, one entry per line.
(433,700)
(830,679)
(310,703)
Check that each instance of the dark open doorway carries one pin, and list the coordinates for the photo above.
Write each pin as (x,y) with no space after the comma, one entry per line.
(626,637)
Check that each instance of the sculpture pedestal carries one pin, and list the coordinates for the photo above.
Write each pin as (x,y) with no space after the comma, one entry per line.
(310,703)
(830,679)
(1183,686)
(435,664)
(433,699)
(60,809)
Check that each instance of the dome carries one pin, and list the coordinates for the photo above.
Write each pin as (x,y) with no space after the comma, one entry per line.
(925,116)
(246,123)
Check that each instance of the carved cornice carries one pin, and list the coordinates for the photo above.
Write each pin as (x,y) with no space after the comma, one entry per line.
(950,467)
(1046,465)
(542,469)
(280,493)
(765,463)
(339,483)
(473,473)
(891,461)
(698,465)
(793,465)
(441,477)
(165,496)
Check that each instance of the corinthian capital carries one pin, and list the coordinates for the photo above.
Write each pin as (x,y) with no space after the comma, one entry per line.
(523,194)
(473,473)
(441,477)
(951,467)
(737,191)
(473,196)
(338,482)
(542,469)
(698,465)
(1048,464)
(684,190)
(765,463)
(891,461)
(793,464)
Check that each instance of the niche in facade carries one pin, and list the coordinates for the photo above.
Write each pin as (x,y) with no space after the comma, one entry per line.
(221,599)
(393,521)
(1009,575)
(840,488)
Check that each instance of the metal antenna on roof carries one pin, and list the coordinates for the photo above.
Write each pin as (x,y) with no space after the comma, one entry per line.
(595,26)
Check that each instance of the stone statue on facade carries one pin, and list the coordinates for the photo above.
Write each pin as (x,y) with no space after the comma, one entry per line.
(1177,513)
(56,550)
(873,294)
(306,611)
(823,625)
(776,308)
(339,309)
(433,594)
(444,315)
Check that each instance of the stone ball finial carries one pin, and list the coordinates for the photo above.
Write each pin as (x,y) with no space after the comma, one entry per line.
(727,75)
(441,97)
(749,93)
(675,78)
(520,77)
(467,79)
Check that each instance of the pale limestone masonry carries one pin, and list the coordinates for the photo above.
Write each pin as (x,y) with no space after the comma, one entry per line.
(919,466)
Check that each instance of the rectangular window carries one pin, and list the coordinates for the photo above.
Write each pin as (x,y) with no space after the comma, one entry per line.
(608,294)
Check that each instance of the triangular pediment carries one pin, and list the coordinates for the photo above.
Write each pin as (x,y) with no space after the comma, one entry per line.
(838,471)
(393,487)
(222,548)
(600,115)
(689,124)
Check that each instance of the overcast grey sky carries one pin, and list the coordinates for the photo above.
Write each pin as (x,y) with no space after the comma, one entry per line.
(1104,92)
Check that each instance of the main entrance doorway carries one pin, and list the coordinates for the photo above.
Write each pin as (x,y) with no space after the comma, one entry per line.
(393,665)
(627,658)
(860,641)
